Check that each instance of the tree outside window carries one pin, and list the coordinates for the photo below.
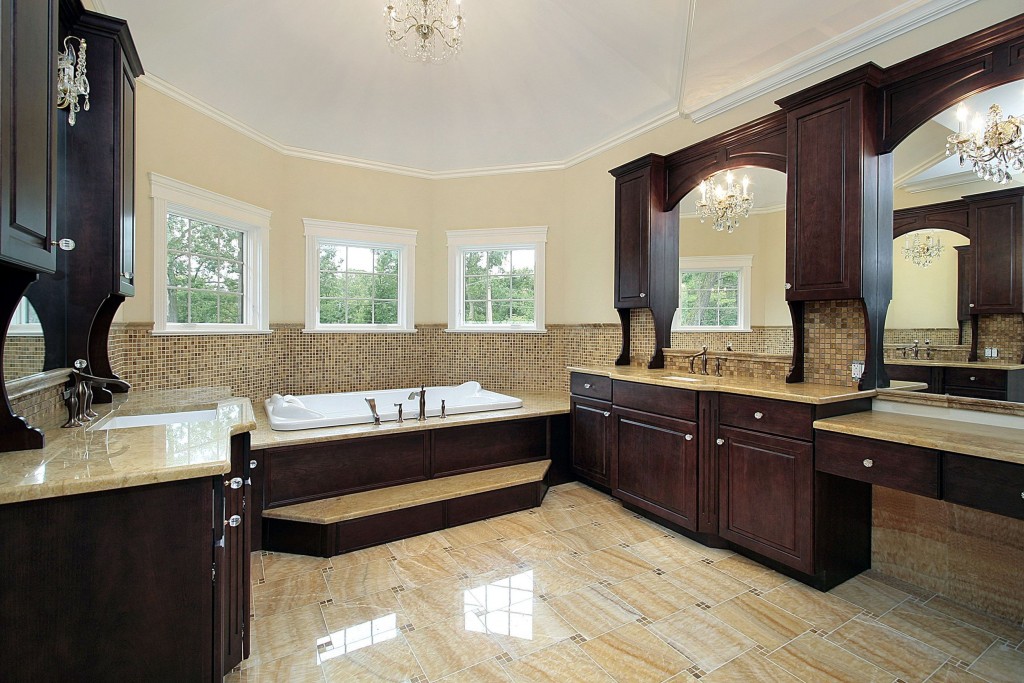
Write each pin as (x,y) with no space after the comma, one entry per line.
(499,286)
(205,272)
(359,285)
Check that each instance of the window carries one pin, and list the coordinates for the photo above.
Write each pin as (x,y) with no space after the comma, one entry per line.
(25,321)
(359,278)
(210,256)
(714,294)
(496,280)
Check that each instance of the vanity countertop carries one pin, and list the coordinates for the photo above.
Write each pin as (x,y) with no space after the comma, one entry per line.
(801,392)
(85,460)
(954,436)
(979,365)
(535,404)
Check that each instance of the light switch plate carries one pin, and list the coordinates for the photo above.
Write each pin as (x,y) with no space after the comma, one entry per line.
(856,369)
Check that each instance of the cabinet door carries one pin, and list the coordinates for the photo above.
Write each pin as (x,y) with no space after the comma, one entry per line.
(591,421)
(124,277)
(765,495)
(996,226)
(232,580)
(632,239)
(654,464)
(964,283)
(28,133)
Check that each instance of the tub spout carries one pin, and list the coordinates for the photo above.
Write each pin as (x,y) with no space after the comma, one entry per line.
(373,409)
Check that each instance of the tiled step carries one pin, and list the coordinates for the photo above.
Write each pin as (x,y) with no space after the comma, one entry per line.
(333,525)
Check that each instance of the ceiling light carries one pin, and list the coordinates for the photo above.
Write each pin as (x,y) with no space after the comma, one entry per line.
(923,252)
(425,30)
(992,146)
(724,205)
(71,80)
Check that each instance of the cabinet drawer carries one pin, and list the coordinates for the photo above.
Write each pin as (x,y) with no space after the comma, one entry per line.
(984,484)
(767,415)
(591,386)
(650,398)
(974,392)
(897,466)
(977,378)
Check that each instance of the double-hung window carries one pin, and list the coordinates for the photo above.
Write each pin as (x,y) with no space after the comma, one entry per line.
(714,294)
(359,278)
(496,280)
(210,257)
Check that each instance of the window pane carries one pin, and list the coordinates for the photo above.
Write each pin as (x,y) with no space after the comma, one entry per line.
(385,312)
(363,282)
(476,312)
(332,258)
(332,285)
(203,260)
(332,311)
(385,261)
(360,286)
(179,271)
(499,262)
(385,287)
(522,287)
(476,288)
(360,259)
(230,309)
(501,312)
(203,307)
(709,298)
(501,288)
(729,316)
(360,312)
(523,260)
(177,306)
(522,311)
(475,262)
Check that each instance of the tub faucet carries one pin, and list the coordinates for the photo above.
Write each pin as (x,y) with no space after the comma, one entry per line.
(703,355)
(423,404)
(399,406)
(914,350)
(928,349)
(373,409)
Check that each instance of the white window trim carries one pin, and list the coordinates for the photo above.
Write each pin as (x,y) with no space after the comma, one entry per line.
(461,241)
(175,196)
(402,239)
(20,329)
(742,262)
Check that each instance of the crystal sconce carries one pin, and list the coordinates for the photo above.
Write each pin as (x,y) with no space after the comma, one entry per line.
(71,80)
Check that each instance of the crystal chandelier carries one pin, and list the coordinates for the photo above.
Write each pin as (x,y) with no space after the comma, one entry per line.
(923,252)
(71,80)
(724,205)
(425,30)
(992,146)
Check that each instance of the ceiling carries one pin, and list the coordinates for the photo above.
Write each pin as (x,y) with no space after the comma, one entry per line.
(539,83)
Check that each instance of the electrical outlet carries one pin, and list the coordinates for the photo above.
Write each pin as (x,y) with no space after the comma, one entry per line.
(995,352)
(856,369)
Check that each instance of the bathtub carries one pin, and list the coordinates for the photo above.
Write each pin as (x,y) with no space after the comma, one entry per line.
(350,408)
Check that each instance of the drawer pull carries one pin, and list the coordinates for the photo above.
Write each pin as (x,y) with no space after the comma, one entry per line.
(971,305)
(588,386)
(758,415)
(689,437)
(252,464)
(607,414)
(235,483)
(643,295)
(720,442)
(233,520)
(868,462)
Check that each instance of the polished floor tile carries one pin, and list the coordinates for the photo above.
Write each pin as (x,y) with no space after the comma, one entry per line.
(581,589)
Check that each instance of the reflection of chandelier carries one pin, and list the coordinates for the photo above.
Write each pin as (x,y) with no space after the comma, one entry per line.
(71,80)
(991,146)
(724,205)
(923,252)
(425,30)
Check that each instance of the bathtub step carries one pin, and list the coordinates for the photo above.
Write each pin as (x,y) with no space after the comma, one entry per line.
(358,520)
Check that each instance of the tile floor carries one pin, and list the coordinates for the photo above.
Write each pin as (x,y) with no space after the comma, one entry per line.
(581,589)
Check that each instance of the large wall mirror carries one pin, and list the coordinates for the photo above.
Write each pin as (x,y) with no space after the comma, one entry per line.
(929,327)
(732,283)
(36,339)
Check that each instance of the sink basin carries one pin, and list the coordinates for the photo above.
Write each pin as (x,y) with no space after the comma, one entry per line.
(126,421)
(674,378)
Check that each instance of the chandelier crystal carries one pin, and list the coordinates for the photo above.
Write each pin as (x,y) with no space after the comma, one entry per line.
(71,80)
(425,30)
(923,252)
(992,146)
(724,205)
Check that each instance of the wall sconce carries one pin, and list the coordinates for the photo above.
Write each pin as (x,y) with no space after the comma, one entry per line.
(71,80)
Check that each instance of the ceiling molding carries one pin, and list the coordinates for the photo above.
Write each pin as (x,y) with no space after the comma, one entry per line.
(687,32)
(843,46)
(904,178)
(175,93)
(963,178)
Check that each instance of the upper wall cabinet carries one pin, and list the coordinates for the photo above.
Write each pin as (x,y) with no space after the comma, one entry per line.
(28,139)
(832,195)
(996,220)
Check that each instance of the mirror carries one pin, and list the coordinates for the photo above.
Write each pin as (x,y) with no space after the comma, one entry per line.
(930,302)
(712,296)
(24,349)
(36,339)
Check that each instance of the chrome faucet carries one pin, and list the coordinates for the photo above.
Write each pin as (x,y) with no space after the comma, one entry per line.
(703,355)
(78,394)
(373,409)
(399,406)
(928,349)
(423,403)
(913,348)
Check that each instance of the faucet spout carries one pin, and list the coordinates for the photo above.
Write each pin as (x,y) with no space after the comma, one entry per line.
(423,404)
(703,355)
(373,409)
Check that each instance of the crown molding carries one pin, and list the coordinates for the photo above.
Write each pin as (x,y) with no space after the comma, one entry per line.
(885,27)
(691,10)
(963,178)
(903,179)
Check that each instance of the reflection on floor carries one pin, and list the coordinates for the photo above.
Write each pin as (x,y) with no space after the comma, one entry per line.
(583,590)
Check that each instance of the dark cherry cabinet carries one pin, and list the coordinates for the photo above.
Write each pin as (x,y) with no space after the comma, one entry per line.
(997,230)
(654,464)
(591,423)
(964,284)
(765,500)
(28,133)
(231,569)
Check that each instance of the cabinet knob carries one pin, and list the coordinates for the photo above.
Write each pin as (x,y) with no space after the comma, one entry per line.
(688,437)
(606,414)
(64,244)
(758,415)
(642,295)
(252,464)
(970,305)
(235,483)
(587,386)
(973,378)
(234,520)
(868,462)
(126,275)
(789,286)
(720,441)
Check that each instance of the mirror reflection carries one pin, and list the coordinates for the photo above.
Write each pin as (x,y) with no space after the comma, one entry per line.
(939,204)
(731,283)
(24,349)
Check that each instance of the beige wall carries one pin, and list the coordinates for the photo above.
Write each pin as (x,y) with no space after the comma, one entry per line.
(577,203)
(925,297)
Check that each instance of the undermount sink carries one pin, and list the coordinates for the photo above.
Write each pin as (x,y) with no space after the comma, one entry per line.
(675,378)
(184,417)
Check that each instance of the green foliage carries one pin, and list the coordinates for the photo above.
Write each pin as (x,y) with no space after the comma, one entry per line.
(709,298)
(499,286)
(358,285)
(205,271)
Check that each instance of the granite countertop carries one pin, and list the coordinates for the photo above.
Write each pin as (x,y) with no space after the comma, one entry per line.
(84,460)
(535,404)
(955,436)
(978,365)
(803,392)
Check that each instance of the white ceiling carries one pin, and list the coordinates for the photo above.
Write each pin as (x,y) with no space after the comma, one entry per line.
(539,84)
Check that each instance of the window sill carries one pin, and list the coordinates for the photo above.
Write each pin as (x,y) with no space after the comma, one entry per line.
(497,330)
(690,330)
(186,332)
(359,330)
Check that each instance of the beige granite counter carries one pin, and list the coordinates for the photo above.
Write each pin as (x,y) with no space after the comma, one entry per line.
(535,404)
(978,365)
(955,436)
(802,392)
(86,459)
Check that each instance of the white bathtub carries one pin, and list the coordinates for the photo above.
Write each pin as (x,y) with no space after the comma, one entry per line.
(332,410)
